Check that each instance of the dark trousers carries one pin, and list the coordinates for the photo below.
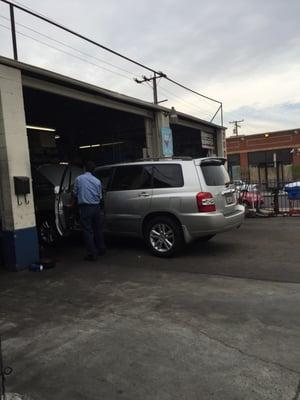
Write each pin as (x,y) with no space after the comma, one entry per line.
(92,220)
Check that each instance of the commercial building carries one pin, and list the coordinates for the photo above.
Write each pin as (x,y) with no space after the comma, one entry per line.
(267,158)
(49,118)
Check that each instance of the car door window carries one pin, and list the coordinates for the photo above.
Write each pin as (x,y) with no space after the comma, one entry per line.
(132,177)
(167,175)
(104,175)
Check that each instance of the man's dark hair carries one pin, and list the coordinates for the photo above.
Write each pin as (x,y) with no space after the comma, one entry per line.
(90,166)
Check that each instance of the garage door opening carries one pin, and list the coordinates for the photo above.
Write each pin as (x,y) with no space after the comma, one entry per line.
(80,131)
(63,134)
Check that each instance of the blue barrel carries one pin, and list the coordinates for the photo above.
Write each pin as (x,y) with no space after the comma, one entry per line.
(293,190)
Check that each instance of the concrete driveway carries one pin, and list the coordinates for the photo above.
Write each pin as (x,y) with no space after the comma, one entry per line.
(219,322)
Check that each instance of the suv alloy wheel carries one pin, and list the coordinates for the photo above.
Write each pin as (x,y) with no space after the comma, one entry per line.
(163,236)
(47,232)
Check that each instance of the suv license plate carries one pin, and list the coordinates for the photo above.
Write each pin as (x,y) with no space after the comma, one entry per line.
(229,199)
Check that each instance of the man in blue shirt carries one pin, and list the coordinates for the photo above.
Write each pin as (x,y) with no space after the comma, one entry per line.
(88,191)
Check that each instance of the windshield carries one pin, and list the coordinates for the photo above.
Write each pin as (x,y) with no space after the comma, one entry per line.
(215,175)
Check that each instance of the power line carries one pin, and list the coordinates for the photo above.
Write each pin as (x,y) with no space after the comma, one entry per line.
(145,80)
(178,97)
(67,53)
(19,6)
(168,92)
(70,47)
(236,126)
(191,90)
(46,19)
(154,87)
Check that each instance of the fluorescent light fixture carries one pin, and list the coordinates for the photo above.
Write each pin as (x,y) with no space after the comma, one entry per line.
(63,163)
(40,128)
(56,137)
(111,144)
(92,146)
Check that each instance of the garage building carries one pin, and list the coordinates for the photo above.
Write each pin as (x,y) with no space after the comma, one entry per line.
(46,118)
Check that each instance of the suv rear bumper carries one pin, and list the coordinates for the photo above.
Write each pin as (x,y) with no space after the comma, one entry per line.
(203,224)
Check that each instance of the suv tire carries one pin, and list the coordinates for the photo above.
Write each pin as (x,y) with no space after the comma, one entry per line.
(163,236)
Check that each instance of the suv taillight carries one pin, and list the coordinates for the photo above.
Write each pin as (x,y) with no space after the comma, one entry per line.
(205,202)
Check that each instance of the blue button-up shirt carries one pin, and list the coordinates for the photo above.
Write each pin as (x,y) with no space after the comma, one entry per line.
(87,189)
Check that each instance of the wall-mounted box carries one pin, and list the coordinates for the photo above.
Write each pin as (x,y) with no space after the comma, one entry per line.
(22,185)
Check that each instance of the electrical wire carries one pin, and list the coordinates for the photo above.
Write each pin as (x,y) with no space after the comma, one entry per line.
(204,98)
(70,47)
(30,9)
(74,33)
(67,53)
(167,92)
(148,85)
(25,9)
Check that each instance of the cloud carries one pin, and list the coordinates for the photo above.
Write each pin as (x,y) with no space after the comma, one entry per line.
(245,53)
(263,119)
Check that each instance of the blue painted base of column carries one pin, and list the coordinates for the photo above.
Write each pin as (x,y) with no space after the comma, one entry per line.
(20,248)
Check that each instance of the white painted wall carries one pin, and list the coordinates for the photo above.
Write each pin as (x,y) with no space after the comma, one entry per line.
(14,151)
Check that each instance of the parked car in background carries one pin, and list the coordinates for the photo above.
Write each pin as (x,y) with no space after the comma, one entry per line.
(169,202)
(52,187)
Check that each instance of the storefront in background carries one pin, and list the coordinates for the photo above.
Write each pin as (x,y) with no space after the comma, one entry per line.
(269,159)
(270,167)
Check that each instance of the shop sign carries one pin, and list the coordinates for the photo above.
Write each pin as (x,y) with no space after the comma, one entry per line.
(207,140)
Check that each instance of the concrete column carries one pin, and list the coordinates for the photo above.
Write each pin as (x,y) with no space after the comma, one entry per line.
(150,137)
(221,143)
(19,234)
(296,156)
(244,165)
(161,121)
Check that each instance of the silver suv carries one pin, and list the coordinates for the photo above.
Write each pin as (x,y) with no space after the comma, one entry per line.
(169,202)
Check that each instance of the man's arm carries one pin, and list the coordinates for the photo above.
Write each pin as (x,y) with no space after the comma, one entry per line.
(74,194)
(100,189)
(75,188)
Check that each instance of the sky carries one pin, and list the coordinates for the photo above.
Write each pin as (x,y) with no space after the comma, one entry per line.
(245,54)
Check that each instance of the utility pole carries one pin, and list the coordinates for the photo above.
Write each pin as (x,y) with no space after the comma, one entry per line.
(236,126)
(154,85)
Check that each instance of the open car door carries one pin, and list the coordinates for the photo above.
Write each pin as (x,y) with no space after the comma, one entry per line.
(66,213)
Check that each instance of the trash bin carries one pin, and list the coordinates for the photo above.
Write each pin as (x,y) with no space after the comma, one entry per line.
(293,192)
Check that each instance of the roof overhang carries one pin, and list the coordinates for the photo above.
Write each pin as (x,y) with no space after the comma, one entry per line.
(32,77)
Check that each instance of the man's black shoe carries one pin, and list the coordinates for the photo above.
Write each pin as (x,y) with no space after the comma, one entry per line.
(90,257)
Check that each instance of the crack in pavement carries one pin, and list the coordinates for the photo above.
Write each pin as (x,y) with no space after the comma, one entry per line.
(244,353)
(252,355)
(223,343)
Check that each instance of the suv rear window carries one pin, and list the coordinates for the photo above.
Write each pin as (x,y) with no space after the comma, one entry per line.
(167,175)
(215,174)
